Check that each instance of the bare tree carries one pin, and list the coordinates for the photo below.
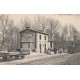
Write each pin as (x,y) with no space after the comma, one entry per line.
(8,36)
(40,23)
(25,23)
(4,22)
(54,31)
(69,35)
(43,23)
(64,34)
(53,28)
(36,25)
(64,37)
(73,32)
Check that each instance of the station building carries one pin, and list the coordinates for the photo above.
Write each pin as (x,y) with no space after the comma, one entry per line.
(34,40)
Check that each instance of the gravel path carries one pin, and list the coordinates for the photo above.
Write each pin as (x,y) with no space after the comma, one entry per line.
(33,58)
(43,59)
(52,60)
(74,60)
(68,59)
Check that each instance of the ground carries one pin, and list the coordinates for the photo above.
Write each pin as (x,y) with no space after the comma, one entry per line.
(68,59)
(73,60)
(44,59)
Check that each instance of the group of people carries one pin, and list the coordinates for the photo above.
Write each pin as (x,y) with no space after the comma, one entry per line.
(71,50)
(55,50)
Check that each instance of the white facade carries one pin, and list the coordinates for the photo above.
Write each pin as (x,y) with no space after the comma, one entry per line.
(42,44)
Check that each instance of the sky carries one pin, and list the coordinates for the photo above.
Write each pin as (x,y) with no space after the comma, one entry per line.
(63,19)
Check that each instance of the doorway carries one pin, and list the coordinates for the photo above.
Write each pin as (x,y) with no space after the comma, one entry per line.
(40,47)
(45,48)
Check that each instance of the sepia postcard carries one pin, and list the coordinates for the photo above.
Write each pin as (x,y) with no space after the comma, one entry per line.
(39,39)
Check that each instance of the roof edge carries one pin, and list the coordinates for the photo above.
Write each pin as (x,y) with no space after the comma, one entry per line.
(34,31)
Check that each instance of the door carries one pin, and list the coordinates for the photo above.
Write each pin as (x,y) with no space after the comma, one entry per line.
(32,47)
(45,48)
(40,47)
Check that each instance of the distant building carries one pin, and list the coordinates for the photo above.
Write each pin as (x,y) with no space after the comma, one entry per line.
(34,40)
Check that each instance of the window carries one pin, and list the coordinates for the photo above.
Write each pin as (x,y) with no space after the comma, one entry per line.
(45,37)
(40,37)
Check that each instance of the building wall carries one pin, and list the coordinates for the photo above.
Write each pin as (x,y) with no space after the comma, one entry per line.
(28,36)
(34,39)
(42,41)
(28,40)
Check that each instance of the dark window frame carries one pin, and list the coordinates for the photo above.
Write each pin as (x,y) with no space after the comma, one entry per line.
(40,37)
(45,37)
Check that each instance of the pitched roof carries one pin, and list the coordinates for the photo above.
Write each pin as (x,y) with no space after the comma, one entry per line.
(33,31)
